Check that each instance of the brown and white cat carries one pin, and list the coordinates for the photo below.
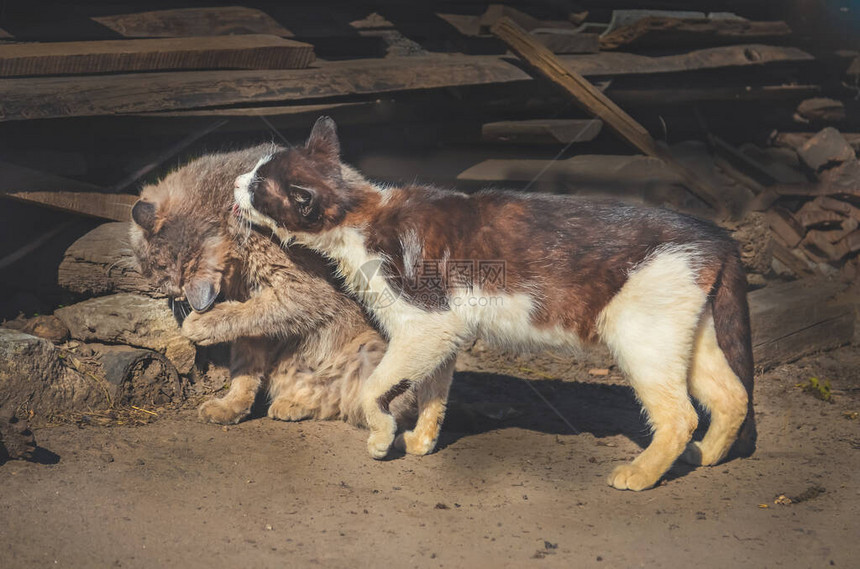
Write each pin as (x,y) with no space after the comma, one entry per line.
(288,321)
(666,292)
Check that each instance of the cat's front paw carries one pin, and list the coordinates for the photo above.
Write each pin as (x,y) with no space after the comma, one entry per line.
(200,329)
(631,477)
(286,410)
(222,411)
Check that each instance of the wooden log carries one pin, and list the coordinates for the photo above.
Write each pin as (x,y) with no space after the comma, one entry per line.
(101,262)
(595,102)
(138,377)
(186,22)
(112,56)
(674,32)
(794,319)
(130,319)
(542,131)
(46,97)
(55,192)
(37,377)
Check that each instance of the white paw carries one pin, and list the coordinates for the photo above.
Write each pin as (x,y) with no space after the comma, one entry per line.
(379,443)
(631,477)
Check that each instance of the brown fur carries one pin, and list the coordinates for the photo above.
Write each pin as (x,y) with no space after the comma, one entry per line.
(663,291)
(289,324)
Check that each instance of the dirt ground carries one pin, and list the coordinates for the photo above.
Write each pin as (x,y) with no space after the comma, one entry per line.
(512,485)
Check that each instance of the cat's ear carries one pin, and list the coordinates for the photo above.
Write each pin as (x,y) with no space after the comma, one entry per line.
(323,139)
(143,214)
(201,294)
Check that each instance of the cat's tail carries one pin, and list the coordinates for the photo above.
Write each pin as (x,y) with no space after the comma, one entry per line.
(732,327)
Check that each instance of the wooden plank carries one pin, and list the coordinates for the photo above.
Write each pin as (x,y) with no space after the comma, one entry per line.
(842,180)
(567,41)
(685,95)
(783,224)
(595,102)
(542,131)
(51,97)
(794,319)
(214,52)
(55,192)
(186,22)
(674,32)
(812,214)
(795,140)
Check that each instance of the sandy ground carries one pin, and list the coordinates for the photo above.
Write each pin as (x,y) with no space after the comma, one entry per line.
(512,485)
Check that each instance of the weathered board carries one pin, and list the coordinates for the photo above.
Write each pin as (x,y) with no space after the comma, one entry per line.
(542,131)
(112,56)
(49,97)
(33,186)
(794,319)
(674,32)
(185,22)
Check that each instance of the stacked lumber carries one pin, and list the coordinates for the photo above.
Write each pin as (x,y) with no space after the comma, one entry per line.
(816,225)
(96,100)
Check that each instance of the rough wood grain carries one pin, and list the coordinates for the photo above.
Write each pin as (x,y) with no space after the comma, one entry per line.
(596,103)
(133,93)
(542,131)
(112,56)
(661,31)
(101,262)
(185,22)
(566,41)
(794,319)
(130,319)
(36,377)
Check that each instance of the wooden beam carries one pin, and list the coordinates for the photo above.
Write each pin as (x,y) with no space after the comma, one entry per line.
(674,32)
(55,192)
(218,52)
(186,22)
(52,97)
(592,100)
(542,131)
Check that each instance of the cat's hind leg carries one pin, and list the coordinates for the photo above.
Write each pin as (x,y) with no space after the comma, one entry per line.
(248,358)
(432,397)
(713,383)
(650,326)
